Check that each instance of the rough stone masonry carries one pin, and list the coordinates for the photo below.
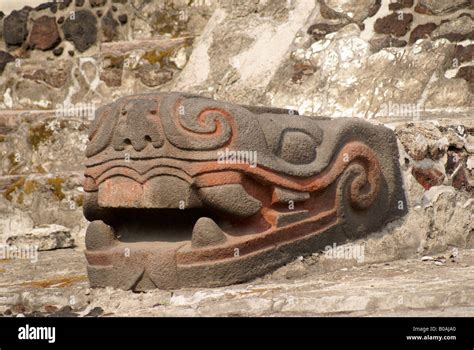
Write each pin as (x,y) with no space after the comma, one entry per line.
(167,213)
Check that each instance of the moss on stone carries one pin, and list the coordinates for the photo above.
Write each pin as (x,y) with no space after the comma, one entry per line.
(18,184)
(161,57)
(56,187)
(30,186)
(39,134)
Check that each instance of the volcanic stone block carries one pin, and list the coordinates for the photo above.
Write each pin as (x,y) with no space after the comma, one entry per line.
(15,27)
(81,29)
(186,191)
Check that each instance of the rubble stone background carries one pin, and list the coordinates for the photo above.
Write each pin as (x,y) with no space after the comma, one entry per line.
(405,63)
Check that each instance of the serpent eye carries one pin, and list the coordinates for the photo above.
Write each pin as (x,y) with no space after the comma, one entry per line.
(297,147)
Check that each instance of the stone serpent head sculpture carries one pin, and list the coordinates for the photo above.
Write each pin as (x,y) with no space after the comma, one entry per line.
(185,191)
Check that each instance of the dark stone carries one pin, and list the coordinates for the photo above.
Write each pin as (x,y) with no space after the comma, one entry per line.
(79,3)
(319,30)
(44,6)
(123,19)
(5,58)
(95,312)
(400,4)
(61,20)
(97,3)
(82,30)
(464,53)
(119,1)
(386,41)
(109,26)
(44,34)
(71,53)
(397,24)
(467,73)
(58,51)
(421,32)
(221,219)
(15,27)
(99,13)
(64,4)
(114,8)
(1,15)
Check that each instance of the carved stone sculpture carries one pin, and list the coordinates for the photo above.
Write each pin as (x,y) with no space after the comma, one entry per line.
(186,191)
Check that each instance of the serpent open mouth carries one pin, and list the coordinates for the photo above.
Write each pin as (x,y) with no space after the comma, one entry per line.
(167,211)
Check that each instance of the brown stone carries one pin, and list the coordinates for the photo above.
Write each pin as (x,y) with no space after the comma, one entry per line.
(400,4)
(428,177)
(44,34)
(421,32)
(123,19)
(186,212)
(397,24)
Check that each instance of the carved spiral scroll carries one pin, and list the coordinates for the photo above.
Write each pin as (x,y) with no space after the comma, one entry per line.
(191,124)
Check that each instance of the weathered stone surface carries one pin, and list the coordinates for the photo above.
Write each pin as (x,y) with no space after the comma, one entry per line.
(353,10)
(440,7)
(309,288)
(458,29)
(45,238)
(82,30)
(224,57)
(422,142)
(152,75)
(15,27)
(235,243)
(44,34)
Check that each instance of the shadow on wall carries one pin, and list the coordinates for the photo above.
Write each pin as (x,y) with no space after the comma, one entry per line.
(7,6)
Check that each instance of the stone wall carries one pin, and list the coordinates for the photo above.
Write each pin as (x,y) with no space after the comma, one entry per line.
(407,64)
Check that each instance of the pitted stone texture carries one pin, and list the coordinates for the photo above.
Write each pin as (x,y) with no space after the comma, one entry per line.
(44,238)
(81,30)
(441,7)
(15,28)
